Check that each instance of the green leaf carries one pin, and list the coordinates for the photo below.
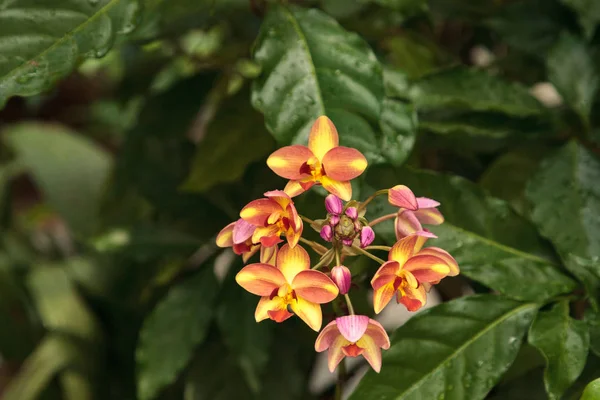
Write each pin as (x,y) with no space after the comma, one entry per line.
(564,343)
(43,42)
(588,272)
(572,71)
(492,244)
(456,350)
(70,170)
(171,332)
(507,176)
(412,54)
(247,340)
(229,146)
(592,319)
(473,89)
(311,67)
(592,391)
(588,12)
(565,197)
(399,128)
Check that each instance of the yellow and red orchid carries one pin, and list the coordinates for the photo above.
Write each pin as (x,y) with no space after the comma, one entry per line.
(273,216)
(351,336)
(409,272)
(322,162)
(290,287)
(238,235)
(413,212)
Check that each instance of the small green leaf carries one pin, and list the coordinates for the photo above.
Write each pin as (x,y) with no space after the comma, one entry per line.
(70,170)
(592,391)
(564,343)
(588,12)
(456,350)
(492,244)
(572,70)
(592,319)
(565,197)
(229,146)
(473,89)
(588,273)
(399,128)
(171,332)
(43,41)
(311,67)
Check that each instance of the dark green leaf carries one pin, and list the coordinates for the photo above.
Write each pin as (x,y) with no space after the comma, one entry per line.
(171,332)
(592,319)
(564,343)
(588,272)
(592,391)
(70,170)
(572,71)
(248,341)
(565,197)
(229,146)
(492,244)
(463,9)
(507,176)
(456,350)
(311,67)
(473,89)
(398,125)
(43,42)
(529,386)
(589,14)
(413,55)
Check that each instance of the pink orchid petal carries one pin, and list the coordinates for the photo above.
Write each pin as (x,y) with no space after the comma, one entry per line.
(352,327)
(424,202)
(401,196)
(242,231)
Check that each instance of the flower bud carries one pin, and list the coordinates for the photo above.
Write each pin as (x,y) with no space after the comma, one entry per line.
(342,277)
(334,220)
(367,235)
(333,204)
(347,242)
(327,233)
(352,212)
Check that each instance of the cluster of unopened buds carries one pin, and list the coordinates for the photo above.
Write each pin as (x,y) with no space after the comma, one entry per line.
(284,279)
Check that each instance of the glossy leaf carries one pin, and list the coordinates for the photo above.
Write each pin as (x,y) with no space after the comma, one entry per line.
(311,67)
(43,41)
(171,332)
(588,273)
(456,350)
(592,319)
(474,90)
(71,184)
(565,197)
(592,391)
(398,125)
(492,244)
(564,343)
(572,70)
(588,12)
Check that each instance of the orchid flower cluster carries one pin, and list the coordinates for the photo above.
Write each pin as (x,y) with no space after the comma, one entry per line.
(284,279)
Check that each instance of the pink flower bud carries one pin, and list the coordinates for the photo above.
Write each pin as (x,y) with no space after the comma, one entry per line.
(347,242)
(352,212)
(367,235)
(334,220)
(333,204)
(342,278)
(326,233)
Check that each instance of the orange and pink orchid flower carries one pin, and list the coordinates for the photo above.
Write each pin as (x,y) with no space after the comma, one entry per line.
(322,162)
(273,216)
(413,212)
(409,273)
(238,235)
(352,336)
(290,287)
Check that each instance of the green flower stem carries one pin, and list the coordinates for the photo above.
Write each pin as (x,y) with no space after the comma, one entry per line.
(323,260)
(318,248)
(349,304)
(366,253)
(370,198)
(384,248)
(307,220)
(381,219)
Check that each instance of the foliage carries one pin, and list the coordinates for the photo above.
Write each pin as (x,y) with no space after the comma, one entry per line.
(133,131)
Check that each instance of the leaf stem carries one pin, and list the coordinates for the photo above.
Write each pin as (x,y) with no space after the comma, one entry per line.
(384,248)
(307,220)
(323,260)
(366,253)
(382,218)
(318,248)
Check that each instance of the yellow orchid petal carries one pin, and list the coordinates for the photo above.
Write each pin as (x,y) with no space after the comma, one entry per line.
(323,137)
(309,312)
(371,352)
(260,279)
(291,261)
(336,353)
(268,307)
(382,296)
(287,162)
(225,237)
(412,298)
(343,190)
(344,163)
(314,286)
